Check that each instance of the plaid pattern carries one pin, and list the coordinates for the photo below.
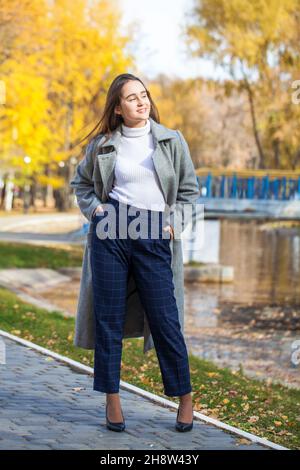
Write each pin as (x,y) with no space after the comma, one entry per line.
(150,262)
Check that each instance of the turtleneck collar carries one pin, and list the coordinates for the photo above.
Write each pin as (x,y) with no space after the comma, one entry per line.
(136,131)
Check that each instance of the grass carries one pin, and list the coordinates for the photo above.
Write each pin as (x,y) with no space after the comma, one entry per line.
(195,264)
(269,411)
(24,255)
(278,224)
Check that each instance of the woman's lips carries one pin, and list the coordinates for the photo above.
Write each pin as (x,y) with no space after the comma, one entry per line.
(142,110)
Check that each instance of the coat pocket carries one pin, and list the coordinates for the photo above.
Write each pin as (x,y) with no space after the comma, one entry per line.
(105,151)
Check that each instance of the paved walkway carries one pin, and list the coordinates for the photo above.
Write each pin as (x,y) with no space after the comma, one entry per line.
(33,285)
(41,229)
(45,404)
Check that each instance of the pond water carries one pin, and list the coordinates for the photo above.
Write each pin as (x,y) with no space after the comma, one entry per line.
(253,322)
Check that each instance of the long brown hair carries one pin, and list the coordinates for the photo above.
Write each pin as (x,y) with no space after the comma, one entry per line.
(110,120)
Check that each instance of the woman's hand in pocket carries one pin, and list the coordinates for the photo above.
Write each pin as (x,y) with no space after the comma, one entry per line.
(99,209)
(170,229)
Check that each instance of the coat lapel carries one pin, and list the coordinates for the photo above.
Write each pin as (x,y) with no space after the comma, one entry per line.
(162,163)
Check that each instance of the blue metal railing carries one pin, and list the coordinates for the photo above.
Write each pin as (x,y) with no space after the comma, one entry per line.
(250,187)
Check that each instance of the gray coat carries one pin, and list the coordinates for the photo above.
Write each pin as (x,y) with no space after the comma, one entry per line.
(93,181)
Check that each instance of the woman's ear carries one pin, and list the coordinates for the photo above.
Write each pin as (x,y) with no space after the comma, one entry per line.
(118,110)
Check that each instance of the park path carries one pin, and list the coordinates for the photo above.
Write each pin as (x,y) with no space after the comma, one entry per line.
(47,404)
(53,228)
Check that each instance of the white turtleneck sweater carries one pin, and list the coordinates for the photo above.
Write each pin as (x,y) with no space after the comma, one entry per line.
(135,180)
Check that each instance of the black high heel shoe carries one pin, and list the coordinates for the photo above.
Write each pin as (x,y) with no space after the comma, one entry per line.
(183,427)
(114,426)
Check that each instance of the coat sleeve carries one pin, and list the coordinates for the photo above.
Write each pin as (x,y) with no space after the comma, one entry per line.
(83,183)
(188,191)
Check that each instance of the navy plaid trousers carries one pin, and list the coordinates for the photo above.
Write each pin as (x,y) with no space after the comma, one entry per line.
(149,260)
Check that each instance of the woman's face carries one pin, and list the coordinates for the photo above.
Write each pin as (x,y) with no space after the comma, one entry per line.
(134,104)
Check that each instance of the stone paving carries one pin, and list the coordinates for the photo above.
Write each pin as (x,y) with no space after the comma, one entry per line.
(45,404)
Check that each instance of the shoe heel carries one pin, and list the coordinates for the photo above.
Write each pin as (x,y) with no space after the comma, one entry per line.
(183,427)
(114,426)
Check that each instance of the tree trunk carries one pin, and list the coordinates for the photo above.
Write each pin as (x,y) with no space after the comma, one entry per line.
(276,149)
(262,159)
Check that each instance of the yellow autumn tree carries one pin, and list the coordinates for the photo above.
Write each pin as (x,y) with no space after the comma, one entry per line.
(61,61)
(257,44)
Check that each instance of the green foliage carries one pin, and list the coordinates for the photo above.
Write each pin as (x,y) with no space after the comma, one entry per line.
(24,255)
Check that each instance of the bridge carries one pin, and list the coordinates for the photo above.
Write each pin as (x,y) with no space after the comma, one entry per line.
(253,193)
(249,184)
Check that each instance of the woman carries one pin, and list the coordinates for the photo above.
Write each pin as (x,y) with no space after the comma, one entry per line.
(131,182)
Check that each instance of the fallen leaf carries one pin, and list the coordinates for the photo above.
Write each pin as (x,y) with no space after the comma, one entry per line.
(243,442)
(253,419)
